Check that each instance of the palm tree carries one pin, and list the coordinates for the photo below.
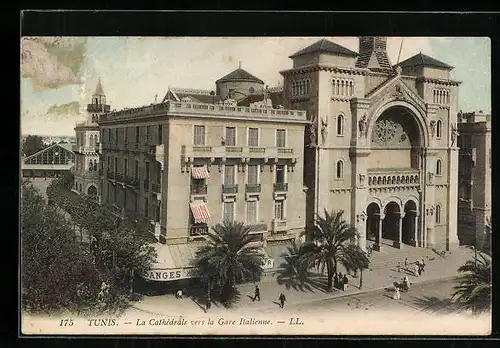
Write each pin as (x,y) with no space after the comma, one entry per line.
(229,258)
(474,285)
(332,242)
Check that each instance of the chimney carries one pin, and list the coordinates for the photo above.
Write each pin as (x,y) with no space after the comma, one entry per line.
(373,54)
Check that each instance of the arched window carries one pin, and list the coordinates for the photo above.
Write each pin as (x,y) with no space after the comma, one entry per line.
(337,87)
(438,128)
(95,165)
(351,92)
(438,214)
(340,169)
(438,167)
(340,125)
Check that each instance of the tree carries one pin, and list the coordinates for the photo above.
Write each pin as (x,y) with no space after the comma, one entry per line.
(332,242)
(228,258)
(473,290)
(32,144)
(55,273)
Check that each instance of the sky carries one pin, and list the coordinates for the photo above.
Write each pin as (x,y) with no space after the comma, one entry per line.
(59,74)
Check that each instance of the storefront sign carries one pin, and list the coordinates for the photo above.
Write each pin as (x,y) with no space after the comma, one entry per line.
(268,264)
(167,274)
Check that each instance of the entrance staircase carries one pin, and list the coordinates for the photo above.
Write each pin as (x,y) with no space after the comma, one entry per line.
(388,257)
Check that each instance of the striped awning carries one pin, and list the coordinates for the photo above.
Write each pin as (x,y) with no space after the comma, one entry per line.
(200,212)
(200,173)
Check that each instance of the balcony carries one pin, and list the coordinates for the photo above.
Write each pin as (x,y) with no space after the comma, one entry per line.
(258,228)
(281,187)
(252,188)
(381,178)
(199,189)
(279,226)
(198,230)
(203,151)
(230,189)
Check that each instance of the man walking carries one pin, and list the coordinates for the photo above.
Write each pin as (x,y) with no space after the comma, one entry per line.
(282,300)
(257,293)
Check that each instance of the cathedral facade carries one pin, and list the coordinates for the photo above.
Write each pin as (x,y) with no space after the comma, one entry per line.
(382,142)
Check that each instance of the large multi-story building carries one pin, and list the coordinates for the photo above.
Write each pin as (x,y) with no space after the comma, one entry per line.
(86,169)
(474,173)
(382,145)
(197,158)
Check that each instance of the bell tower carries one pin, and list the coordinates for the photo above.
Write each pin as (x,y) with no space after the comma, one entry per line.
(373,54)
(98,105)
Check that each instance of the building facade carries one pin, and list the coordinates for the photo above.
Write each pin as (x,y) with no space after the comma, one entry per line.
(197,159)
(52,161)
(382,145)
(474,209)
(86,170)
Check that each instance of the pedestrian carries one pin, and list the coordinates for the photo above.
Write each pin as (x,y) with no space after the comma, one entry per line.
(341,277)
(282,300)
(257,293)
(407,282)
(345,282)
(406,263)
(336,281)
(417,269)
(397,294)
(178,294)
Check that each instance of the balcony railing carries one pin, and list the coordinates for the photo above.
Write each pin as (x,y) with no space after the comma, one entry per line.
(258,228)
(252,188)
(98,108)
(203,151)
(199,189)
(392,178)
(257,149)
(279,225)
(198,230)
(281,187)
(230,189)
(283,150)
(234,149)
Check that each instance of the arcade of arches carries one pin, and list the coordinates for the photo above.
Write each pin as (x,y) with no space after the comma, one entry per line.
(394,180)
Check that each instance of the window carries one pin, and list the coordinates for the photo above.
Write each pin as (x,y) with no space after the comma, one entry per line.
(146,207)
(137,134)
(109,135)
(148,134)
(136,169)
(251,212)
(160,134)
(228,211)
(280,138)
(147,171)
(279,213)
(125,167)
(438,128)
(438,214)
(253,174)
(116,135)
(301,87)
(253,137)
(438,167)
(229,175)
(199,135)
(109,164)
(340,169)
(115,168)
(280,174)
(230,136)
(125,135)
(343,88)
(340,125)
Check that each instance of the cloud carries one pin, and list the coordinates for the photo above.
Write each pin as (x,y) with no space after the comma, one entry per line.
(68,109)
(52,62)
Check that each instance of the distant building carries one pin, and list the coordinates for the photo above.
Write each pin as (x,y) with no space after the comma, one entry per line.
(474,205)
(87,146)
(52,161)
(199,158)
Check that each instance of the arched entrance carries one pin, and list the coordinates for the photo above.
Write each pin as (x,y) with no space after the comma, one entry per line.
(373,224)
(409,229)
(92,190)
(391,223)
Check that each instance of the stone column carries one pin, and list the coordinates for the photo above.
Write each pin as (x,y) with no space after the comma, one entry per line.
(398,244)
(378,243)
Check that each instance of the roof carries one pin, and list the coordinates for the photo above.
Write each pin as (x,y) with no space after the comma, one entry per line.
(421,59)
(239,75)
(67,147)
(98,89)
(276,98)
(325,46)
(197,96)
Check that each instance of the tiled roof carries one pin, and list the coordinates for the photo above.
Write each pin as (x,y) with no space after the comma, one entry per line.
(421,59)
(239,75)
(325,46)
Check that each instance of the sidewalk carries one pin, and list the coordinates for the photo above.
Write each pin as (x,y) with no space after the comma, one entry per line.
(375,279)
